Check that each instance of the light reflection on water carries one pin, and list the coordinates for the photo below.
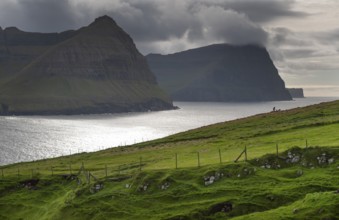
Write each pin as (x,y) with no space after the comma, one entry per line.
(36,137)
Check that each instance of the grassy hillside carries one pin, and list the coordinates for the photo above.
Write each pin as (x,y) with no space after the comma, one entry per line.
(142,182)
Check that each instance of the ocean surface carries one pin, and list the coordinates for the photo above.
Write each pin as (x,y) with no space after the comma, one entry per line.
(25,138)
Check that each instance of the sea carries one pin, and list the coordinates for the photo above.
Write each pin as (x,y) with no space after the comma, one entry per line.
(27,138)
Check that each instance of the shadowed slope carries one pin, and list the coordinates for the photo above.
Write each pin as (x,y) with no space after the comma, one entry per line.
(97,70)
(219,72)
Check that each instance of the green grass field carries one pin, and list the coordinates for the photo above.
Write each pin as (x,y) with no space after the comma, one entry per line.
(141,181)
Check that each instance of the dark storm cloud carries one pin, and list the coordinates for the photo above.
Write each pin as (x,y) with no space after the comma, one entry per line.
(150,21)
(194,22)
(229,21)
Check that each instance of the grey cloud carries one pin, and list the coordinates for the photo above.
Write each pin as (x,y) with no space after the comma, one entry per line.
(262,10)
(283,36)
(197,22)
(155,21)
(229,26)
(327,37)
(46,15)
(38,15)
(310,66)
(299,53)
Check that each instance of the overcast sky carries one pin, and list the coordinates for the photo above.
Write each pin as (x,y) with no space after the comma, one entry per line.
(302,36)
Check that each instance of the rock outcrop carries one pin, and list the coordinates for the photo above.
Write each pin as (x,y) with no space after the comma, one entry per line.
(296,92)
(219,72)
(96,69)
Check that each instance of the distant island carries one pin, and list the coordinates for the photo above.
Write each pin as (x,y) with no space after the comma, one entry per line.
(96,69)
(220,72)
(296,92)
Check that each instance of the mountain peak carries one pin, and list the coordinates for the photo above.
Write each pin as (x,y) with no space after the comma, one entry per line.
(104,19)
(12,29)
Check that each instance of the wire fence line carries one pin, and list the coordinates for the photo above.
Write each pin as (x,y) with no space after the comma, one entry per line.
(106,170)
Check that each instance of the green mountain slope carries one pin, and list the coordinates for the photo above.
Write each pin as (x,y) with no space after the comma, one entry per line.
(96,69)
(142,182)
(219,72)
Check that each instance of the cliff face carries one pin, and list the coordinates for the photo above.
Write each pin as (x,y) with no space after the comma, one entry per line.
(296,92)
(19,48)
(219,73)
(96,69)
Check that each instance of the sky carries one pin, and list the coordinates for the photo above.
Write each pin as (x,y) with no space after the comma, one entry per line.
(302,36)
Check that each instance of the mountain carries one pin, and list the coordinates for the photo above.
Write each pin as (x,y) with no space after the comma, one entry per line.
(296,92)
(96,69)
(219,72)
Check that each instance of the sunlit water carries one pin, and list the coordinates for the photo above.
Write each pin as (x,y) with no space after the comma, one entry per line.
(37,137)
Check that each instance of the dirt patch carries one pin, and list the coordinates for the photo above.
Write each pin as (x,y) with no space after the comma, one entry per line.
(29,184)
(69,176)
(221,207)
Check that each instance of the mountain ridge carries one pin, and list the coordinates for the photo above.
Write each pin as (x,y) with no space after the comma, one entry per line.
(95,69)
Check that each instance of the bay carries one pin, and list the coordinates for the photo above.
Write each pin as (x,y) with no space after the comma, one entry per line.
(26,138)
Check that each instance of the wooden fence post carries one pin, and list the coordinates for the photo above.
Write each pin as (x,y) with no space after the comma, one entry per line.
(242,152)
(220,156)
(245,153)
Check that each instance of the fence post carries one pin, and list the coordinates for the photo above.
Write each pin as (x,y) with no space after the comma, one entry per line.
(236,160)
(277,149)
(245,153)
(198,159)
(220,156)
(106,170)
(176,161)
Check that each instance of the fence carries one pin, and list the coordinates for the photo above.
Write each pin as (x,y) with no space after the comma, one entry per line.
(102,171)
